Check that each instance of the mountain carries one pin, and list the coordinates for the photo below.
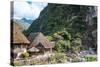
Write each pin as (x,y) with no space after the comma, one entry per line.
(23,24)
(27,20)
(74,24)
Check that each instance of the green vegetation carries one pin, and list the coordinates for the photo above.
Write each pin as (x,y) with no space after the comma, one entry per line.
(76,60)
(90,58)
(25,55)
(64,42)
(17,63)
(57,58)
(35,62)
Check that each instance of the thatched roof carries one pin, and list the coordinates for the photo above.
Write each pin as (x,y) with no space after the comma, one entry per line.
(17,35)
(36,38)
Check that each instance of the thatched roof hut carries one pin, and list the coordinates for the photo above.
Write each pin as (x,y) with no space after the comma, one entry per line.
(36,38)
(19,42)
(17,35)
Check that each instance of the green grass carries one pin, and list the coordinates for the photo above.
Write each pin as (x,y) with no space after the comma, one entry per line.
(90,58)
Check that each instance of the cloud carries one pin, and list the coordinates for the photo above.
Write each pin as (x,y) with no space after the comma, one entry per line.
(28,10)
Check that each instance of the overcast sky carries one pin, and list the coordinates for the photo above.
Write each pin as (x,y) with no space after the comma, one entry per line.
(27,9)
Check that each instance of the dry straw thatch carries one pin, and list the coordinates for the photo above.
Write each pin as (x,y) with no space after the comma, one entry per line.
(17,35)
(36,38)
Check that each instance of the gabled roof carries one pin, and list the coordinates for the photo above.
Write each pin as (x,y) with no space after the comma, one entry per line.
(36,38)
(17,35)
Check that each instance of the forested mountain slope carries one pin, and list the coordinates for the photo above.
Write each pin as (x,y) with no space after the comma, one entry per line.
(73,26)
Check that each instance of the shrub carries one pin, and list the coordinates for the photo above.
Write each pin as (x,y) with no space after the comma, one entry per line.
(76,59)
(25,55)
(76,45)
(35,62)
(62,45)
(90,58)
(50,38)
(17,63)
(58,58)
